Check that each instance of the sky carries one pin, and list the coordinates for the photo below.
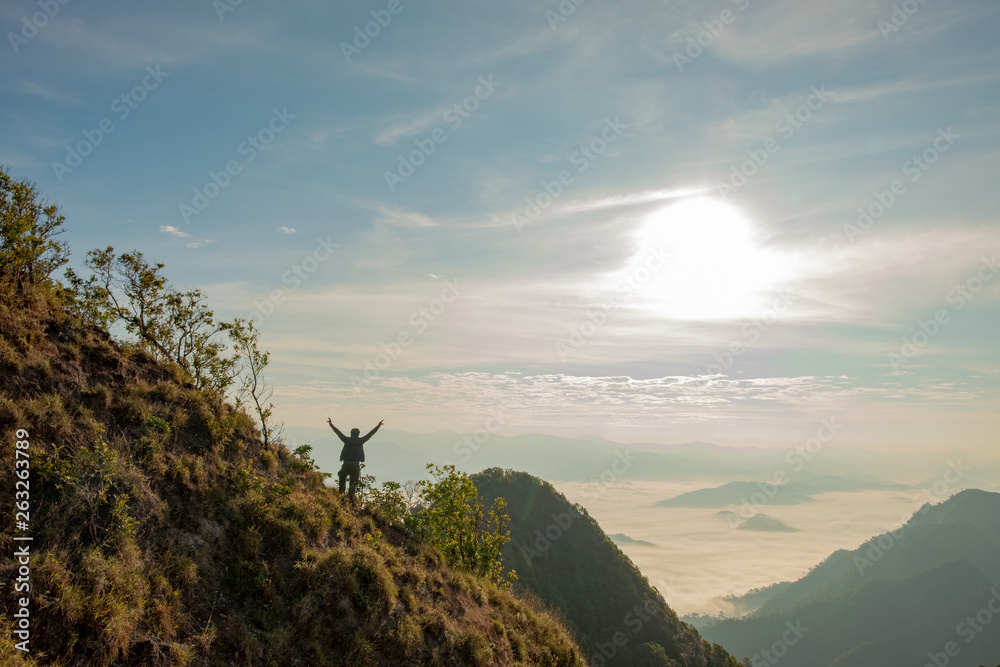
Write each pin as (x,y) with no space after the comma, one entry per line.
(721,221)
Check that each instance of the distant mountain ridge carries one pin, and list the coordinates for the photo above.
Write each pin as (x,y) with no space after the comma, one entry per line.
(404,454)
(899,598)
(740,493)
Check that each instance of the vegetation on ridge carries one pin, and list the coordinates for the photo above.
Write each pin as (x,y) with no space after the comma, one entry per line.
(166,532)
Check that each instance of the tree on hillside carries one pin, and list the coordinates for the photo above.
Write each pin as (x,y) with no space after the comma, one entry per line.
(177,326)
(29,252)
(452,518)
(127,291)
(250,362)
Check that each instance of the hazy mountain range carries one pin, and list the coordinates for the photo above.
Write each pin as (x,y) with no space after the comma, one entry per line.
(930,588)
(400,456)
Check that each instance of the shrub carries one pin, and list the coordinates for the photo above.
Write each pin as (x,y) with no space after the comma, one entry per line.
(452,519)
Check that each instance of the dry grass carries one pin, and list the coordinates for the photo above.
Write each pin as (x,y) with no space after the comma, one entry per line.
(166,534)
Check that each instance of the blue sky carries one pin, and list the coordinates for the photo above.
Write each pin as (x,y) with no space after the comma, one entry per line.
(635,219)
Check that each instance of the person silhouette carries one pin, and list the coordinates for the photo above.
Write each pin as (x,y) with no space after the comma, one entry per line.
(352,455)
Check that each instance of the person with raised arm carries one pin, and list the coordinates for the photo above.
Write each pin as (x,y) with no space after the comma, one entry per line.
(352,455)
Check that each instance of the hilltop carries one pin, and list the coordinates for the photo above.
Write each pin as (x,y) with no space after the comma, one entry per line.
(165,532)
(563,557)
(169,527)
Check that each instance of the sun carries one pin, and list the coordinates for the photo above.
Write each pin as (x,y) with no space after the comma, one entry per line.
(715,266)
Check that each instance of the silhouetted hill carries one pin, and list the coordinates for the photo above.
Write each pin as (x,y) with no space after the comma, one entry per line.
(885,622)
(621,538)
(892,600)
(967,526)
(739,493)
(564,558)
(766,524)
(165,533)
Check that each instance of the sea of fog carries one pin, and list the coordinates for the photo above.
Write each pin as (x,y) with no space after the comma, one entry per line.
(697,558)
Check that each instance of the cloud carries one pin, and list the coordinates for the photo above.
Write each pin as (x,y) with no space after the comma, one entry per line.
(406,128)
(170,229)
(287,230)
(117,41)
(398,217)
(630,199)
(548,399)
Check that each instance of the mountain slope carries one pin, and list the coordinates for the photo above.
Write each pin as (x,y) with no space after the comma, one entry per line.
(895,599)
(886,622)
(164,533)
(562,556)
(967,526)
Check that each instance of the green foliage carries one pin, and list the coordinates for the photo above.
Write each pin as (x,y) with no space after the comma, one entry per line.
(28,251)
(387,501)
(154,423)
(177,326)
(653,655)
(306,461)
(452,519)
(250,362)
(127,291)
(93,488)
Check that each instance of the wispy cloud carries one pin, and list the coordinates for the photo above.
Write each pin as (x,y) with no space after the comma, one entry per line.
(287,230)
(397,217)
(170,229)
(630,199)
(409,127)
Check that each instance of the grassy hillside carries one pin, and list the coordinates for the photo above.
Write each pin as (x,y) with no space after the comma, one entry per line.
(165,533)
(562,556)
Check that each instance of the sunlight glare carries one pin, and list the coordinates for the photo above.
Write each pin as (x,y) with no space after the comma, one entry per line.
(715,267)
